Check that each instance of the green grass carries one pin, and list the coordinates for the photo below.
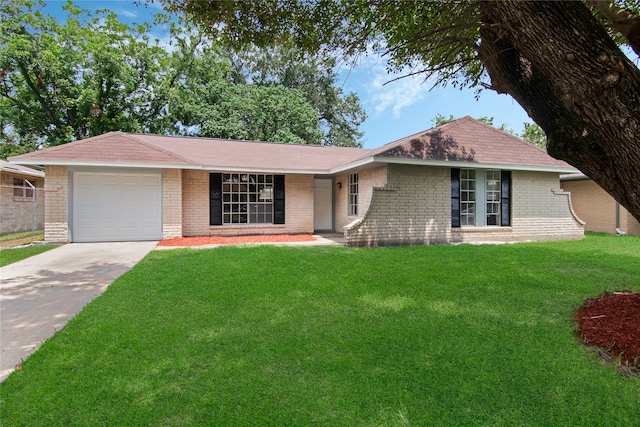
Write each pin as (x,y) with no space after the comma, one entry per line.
(11,255)
(438,335)
(37,235)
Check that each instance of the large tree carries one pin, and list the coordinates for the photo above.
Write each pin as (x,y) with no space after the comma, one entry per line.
(211,102)
(65,81)
(266,95)
(561,61)
(340,115)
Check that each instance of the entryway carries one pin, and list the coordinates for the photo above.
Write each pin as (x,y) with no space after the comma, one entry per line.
(323,205)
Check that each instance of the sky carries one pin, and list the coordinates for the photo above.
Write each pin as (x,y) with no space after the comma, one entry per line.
(394,110)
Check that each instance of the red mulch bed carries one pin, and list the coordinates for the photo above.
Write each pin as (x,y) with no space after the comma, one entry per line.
(611,323)
(231,240)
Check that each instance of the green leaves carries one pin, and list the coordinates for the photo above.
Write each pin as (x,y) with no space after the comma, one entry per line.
(70,81)
(268,95)
(251,112)
(61,82)
(534,134)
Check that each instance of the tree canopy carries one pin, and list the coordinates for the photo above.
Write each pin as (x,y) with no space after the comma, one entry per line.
(561,61)
(64,81)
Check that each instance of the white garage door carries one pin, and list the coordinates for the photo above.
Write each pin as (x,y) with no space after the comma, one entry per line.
(114,206)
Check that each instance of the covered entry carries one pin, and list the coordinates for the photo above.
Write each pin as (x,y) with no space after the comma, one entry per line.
(116,206)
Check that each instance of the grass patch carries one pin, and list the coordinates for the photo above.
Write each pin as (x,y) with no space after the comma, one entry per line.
(37,235)
(11,255)
(437,335)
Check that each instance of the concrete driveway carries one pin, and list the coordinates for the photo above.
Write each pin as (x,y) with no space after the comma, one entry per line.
(40,294)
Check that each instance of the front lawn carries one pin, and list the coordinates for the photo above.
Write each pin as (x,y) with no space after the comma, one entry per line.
(11,255)
(439,335)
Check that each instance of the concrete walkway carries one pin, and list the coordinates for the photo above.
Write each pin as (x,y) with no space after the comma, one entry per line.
(39,295)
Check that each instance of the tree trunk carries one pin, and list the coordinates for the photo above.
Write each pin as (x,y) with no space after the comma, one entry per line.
(561,66)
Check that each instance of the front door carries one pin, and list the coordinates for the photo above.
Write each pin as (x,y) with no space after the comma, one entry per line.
(323,205)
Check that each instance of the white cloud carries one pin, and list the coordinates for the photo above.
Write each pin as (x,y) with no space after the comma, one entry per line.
(396,95)
(380,92)
(128,13)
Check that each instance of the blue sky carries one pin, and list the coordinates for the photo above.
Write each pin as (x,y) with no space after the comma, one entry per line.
(395,110)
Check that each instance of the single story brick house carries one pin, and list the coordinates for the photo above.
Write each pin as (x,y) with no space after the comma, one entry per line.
(597,208)
(460,182)
(21,198)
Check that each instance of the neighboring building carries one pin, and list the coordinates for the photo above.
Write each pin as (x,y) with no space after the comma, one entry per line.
(461,182)
(600,212)
(21,198)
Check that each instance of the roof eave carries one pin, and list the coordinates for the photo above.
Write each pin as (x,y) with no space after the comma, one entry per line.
(353,165)
(169,166)
(212,168)
(475,165)
(93,163)
(34,174)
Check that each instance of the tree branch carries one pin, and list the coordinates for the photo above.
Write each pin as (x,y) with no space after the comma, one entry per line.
(38,95)
(624,21)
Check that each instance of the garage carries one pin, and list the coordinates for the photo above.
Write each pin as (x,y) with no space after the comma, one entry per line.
(116,206)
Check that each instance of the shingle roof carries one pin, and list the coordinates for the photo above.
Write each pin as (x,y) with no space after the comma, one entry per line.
(469,140)
(118,148)
(110,148)
(463,140)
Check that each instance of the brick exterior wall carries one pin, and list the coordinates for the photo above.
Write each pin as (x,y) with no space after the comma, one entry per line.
(414,207)
(171,203)
(195,208)
(56,204)
(398,205)
(18,214)
(632,226)
(368,179)
(597,208)
(540,210)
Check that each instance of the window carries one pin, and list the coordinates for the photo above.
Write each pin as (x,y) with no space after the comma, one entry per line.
(353,194)
(246,198)
(493,197)
(23,188)
(467,197)
(480,197)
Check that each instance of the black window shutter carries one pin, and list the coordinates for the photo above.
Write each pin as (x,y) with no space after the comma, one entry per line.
(278,199)
(215,199)
(455,197)
(505,198)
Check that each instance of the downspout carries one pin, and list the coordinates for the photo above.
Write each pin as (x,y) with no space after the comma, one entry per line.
(618,231)
(33,206)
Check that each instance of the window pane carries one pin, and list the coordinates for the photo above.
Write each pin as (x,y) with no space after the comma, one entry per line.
(493,197)
(353,194)
(249,202)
